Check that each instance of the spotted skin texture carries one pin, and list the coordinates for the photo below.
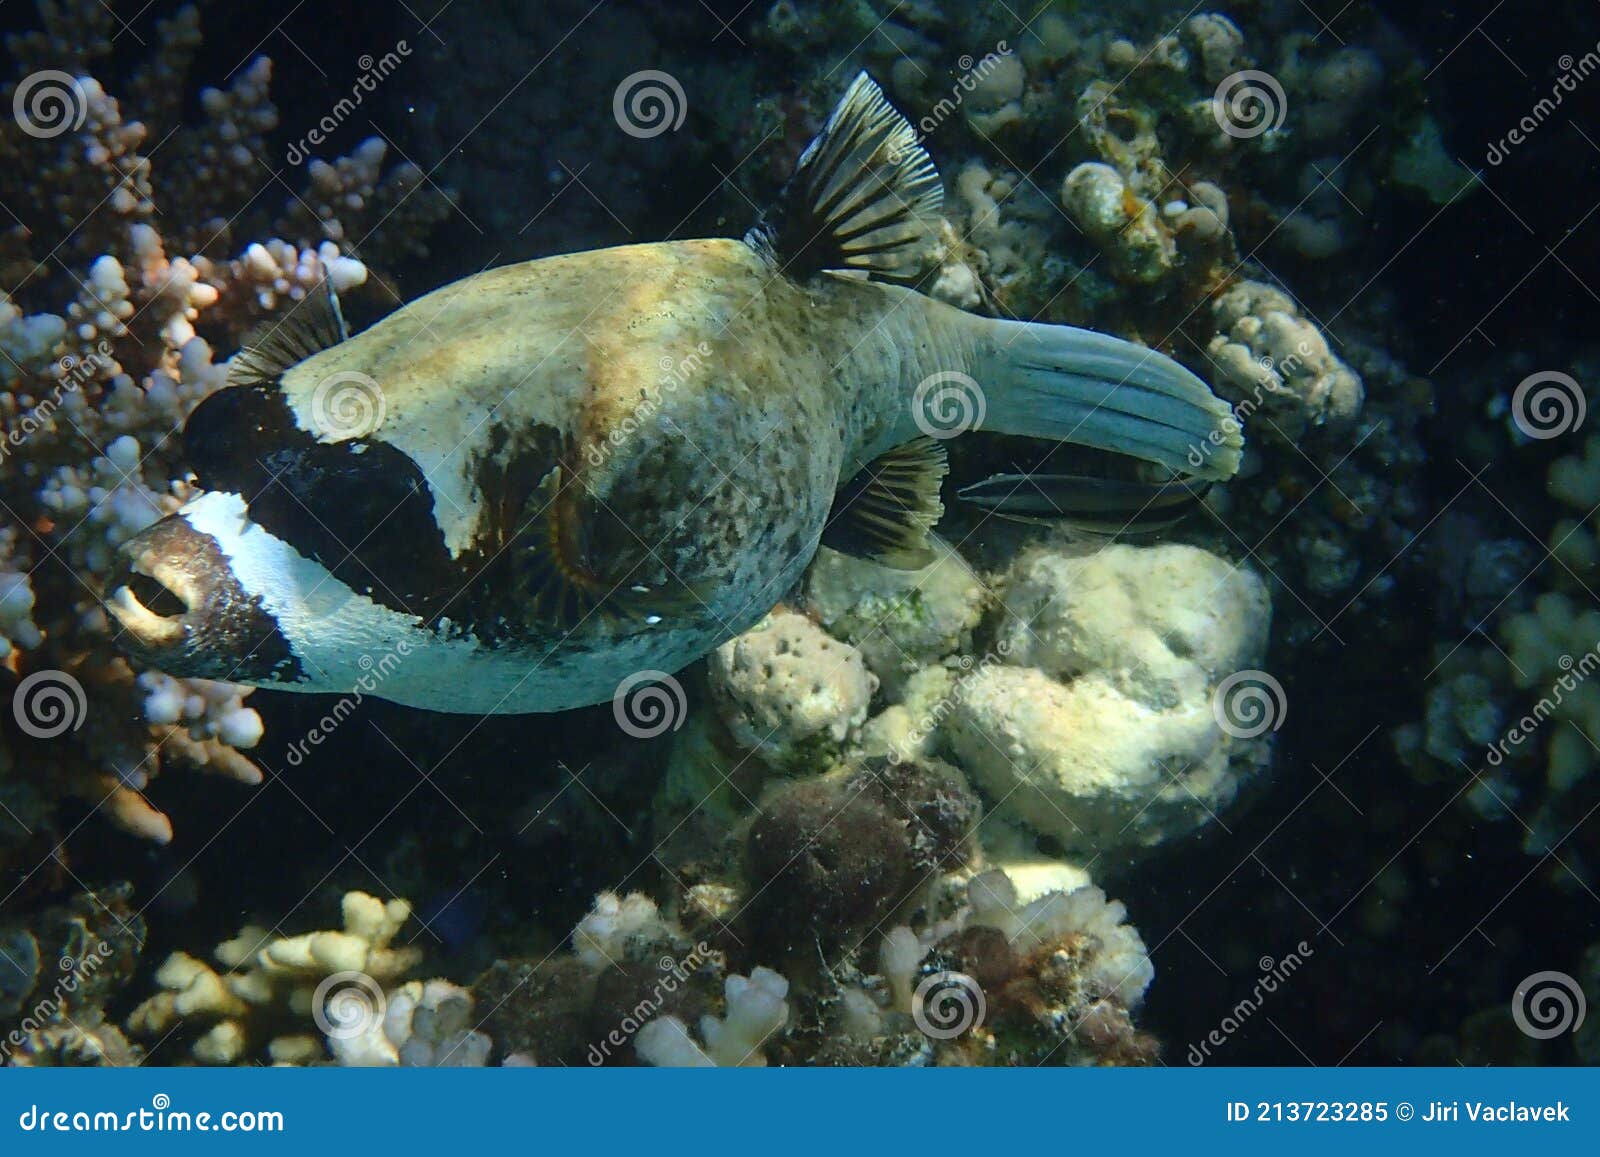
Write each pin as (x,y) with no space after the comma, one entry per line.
(674,417)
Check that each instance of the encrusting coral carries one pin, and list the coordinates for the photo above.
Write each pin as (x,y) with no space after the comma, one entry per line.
(1101,726)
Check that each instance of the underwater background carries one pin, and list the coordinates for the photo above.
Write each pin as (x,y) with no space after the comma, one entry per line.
(1310,777)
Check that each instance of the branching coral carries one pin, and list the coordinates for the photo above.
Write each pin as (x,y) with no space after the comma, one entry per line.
(103,360)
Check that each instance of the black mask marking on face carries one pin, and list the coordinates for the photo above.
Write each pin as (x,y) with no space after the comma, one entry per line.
(361,508)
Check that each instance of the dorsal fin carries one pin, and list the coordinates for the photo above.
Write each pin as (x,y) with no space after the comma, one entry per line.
(885,512)
(312,325)
(864,196)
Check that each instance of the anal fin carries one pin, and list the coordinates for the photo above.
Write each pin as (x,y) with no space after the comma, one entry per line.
(885,512)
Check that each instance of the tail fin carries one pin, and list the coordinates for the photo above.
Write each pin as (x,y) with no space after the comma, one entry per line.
(1075,385)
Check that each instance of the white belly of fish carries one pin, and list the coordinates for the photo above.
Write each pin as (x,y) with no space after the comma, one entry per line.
(346,642)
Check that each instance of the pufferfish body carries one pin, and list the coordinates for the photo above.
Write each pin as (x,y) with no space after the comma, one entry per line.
(532,485)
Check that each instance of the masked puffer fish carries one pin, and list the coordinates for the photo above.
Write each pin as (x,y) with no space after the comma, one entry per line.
(542,480)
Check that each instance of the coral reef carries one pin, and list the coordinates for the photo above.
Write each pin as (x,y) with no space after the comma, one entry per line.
(885,831)
(346,981)
(57,971)
(111,337)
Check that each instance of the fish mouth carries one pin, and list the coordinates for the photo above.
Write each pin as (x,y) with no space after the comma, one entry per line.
(181,609)
(156,596)
(151,601)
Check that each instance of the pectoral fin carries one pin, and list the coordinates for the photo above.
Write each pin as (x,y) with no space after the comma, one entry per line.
(885,512)
(560,579)
(310,326)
